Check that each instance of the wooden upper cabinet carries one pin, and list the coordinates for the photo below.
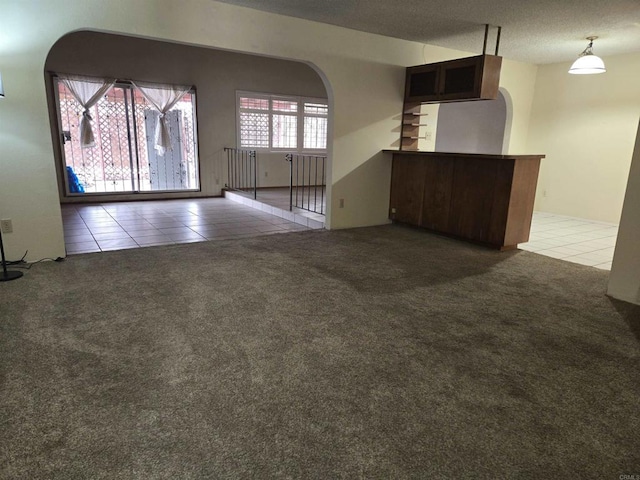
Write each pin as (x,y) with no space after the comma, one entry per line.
(472,78)
(422,82)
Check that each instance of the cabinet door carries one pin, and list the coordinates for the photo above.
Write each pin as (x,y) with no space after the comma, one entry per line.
(437,193)
(461,79)
(407,186)
(422,83)
(472,197)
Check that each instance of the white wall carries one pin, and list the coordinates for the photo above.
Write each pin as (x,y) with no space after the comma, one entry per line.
(472,127)
(517,83)
(429,133)
(586,125)
(364,75)
(624,281)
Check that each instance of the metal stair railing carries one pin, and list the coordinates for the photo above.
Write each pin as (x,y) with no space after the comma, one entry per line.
(242,170)
(307,182)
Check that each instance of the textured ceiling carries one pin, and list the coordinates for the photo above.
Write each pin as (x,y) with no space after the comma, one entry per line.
(533,31)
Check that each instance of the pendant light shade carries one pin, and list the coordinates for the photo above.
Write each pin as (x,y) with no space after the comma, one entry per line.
(588,63)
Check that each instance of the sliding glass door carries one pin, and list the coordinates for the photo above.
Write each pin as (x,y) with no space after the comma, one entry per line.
(124,159)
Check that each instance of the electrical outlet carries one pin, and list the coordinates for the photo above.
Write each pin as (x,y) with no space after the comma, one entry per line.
(6,225)
(341,203)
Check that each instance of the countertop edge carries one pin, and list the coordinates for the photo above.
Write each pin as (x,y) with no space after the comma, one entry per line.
(471,155)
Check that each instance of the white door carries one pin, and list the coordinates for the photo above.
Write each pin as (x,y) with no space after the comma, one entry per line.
(168,171)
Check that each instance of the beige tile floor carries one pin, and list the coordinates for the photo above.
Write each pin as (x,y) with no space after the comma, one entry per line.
(572,239)
(121,225)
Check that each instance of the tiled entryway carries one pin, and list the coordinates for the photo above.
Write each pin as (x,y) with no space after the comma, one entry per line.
(121,225)
(572,239)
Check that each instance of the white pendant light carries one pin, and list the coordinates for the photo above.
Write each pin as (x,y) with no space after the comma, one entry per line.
(588,63)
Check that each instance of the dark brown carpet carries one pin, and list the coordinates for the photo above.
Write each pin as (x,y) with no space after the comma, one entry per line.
(382,352)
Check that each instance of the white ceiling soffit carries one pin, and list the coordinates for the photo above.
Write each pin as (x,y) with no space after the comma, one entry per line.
(533,31)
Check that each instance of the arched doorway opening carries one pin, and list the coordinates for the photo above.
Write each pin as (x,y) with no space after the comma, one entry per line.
(216,75)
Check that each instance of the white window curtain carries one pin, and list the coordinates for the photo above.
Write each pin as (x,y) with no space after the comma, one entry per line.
(87,91)
(163,98)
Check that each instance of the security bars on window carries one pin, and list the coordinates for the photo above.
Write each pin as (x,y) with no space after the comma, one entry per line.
(279,123)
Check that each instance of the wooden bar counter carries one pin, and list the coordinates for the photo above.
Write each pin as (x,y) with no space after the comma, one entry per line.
(482,198)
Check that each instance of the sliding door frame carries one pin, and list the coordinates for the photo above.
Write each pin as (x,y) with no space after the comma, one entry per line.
(133,142)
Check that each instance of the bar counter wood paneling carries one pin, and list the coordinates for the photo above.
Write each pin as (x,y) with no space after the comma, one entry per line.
(482,198)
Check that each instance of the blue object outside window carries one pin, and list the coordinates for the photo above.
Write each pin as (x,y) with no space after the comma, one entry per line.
(74,183)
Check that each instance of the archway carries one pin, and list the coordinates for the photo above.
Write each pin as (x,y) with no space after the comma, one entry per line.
(217,76)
